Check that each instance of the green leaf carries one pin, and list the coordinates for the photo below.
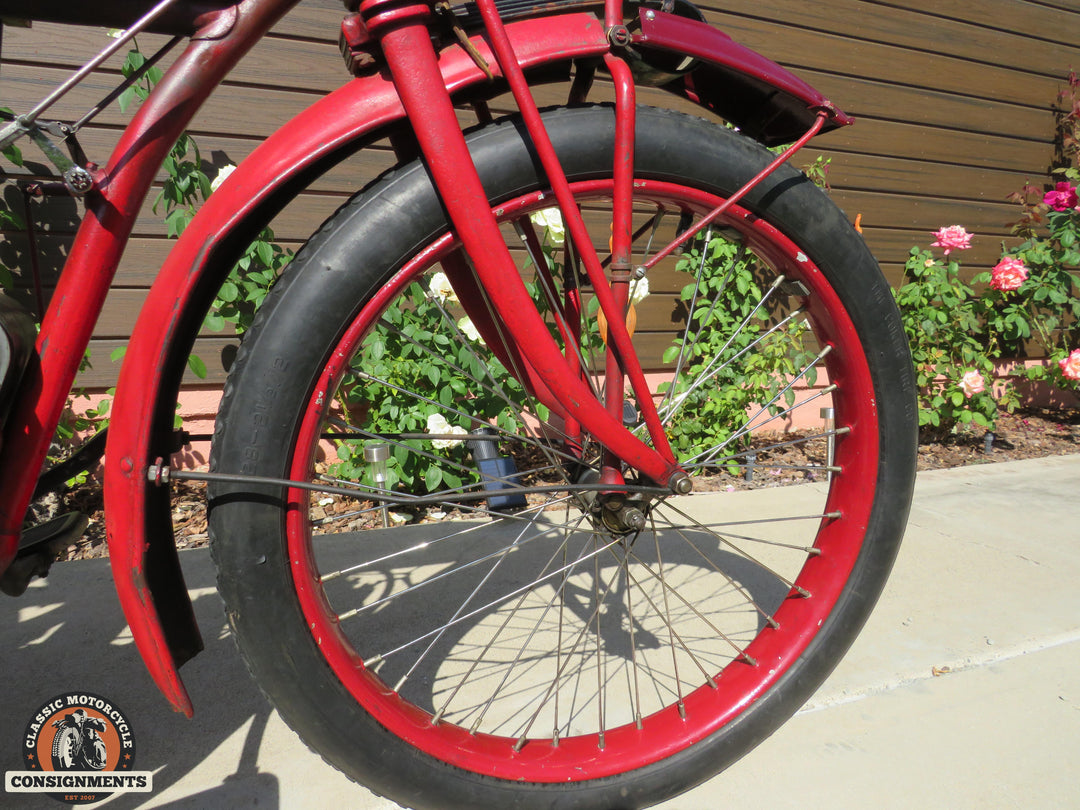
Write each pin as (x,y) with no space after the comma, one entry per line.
(228,292)
(14,154)
(433,477)
(175,221)
(265,252)
(214,322)
(197,366)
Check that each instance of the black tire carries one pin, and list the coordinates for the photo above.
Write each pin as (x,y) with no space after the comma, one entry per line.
(64,747)
(285,596)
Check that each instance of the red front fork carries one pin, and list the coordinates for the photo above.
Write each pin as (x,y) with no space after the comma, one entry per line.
(406,44)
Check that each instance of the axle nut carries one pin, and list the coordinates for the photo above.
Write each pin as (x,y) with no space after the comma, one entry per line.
(681,484)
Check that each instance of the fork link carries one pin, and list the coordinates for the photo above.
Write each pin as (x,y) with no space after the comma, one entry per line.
(400,27)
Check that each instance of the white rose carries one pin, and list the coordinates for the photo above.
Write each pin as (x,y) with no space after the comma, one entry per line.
(223,172)
(439,288)
(468,328)
(550,219)
(437,424)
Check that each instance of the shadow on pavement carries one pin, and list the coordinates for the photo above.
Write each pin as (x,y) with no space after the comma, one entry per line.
(67,634)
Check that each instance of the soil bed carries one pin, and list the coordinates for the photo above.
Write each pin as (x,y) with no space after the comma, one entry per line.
(1023,435)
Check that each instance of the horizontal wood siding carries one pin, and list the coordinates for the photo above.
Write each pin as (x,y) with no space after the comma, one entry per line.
(954,101)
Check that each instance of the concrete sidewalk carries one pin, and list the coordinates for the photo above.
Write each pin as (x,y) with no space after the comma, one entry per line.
(962,691)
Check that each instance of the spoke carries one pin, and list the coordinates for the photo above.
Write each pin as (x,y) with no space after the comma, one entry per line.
(524,228)
(526,644)
(730,580)
(444,499)
(505,623)
(496,320)
(465,341)
(793,518)
(711,372)
(791,384)
(542,529)
(600,691)
(544,448)
(778,445)
(580,635)
(723,538)
(698,276)
(521,516)
(635,698)
(665,588)
(666,618)
(383,656)
(500,559)
(398,440)
(427,544)
(693,609)
(653,226)
(558,648)
(745,430)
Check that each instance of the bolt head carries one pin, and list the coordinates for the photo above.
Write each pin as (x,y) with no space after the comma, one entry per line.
(681,484)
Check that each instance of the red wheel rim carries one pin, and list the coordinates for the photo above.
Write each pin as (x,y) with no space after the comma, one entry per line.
(739,684)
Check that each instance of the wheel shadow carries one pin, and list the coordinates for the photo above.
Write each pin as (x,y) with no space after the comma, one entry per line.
(460,587)
(68,634)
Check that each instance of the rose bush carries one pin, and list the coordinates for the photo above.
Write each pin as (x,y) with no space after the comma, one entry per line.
(1029,306)
(940,313)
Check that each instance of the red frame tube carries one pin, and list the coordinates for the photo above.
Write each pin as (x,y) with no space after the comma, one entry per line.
(619,440)
(111,209)
(406,44)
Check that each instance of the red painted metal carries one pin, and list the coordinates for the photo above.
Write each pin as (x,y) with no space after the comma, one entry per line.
(414,68)
(754,93)
(622,226)
(142,414)
(111,209)
(329,128)
(658,464)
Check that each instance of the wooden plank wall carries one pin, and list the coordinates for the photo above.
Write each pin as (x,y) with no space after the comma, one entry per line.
(954,100)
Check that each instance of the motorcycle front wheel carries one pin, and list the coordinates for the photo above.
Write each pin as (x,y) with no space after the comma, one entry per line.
(519,641)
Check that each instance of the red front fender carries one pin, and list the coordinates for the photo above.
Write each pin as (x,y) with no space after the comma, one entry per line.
(147,575)
(144,562)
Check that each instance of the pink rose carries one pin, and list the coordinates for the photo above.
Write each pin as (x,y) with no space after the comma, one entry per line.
(1070,366)
(954,237)
(1063,196)
(1008,274)
(972,384)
